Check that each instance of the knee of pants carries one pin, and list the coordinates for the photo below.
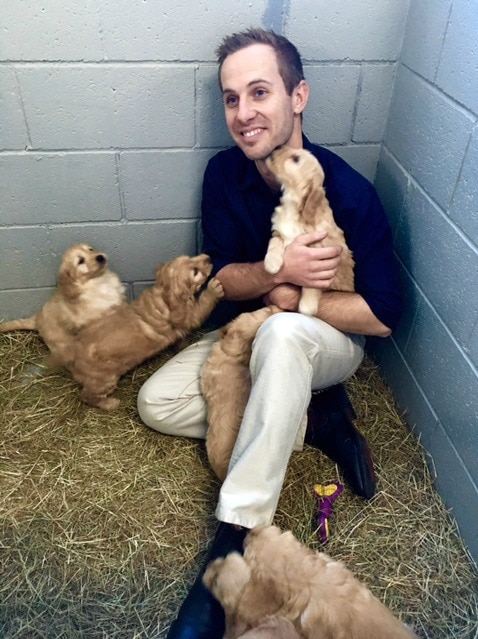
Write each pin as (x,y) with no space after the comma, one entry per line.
(153,410)
(284,333)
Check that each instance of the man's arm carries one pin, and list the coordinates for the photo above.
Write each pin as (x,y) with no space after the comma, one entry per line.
(245,281)
(347,312)
(350,313)
(304,265)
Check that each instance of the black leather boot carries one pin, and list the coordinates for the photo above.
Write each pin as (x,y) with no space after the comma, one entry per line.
(201,615)
(330,429)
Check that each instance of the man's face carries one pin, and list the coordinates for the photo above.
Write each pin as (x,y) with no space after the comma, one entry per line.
(259,113)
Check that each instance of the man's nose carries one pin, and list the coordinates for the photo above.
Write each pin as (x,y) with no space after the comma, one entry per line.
(246,111)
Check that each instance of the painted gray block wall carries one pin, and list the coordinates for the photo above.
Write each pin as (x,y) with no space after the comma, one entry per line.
(427,178)
(110,110)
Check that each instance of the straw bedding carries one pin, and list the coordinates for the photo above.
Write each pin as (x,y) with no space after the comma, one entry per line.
(105,522)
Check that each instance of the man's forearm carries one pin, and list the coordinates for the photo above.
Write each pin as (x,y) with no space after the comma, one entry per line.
(350,313)
(245,281)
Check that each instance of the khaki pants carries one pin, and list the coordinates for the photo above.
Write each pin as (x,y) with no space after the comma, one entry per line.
(292,355)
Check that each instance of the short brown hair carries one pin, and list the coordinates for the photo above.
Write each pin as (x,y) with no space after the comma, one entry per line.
(288,57)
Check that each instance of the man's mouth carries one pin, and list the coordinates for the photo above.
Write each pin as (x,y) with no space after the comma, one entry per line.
(252,133)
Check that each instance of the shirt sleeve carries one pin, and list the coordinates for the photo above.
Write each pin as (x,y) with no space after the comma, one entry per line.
(370,239)
(221,238)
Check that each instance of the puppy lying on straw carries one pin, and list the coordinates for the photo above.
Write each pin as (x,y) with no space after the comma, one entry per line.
(278,578)
(226,385)
(304,208)
(163,314)
(86,289)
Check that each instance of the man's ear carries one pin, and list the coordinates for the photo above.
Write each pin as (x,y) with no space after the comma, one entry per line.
(300,96)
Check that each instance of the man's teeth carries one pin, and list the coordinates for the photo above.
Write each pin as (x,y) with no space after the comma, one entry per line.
(248,134)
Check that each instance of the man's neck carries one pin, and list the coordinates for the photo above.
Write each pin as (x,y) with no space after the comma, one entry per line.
(296,142)
(267,176)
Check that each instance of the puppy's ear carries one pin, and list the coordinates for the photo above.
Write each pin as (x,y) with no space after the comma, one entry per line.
(312,202)
(163,276)
(68,279)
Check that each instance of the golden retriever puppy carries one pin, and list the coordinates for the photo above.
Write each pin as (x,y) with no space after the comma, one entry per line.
(278,577)
(304,208)
(163,314)
(226,385)
(86,289)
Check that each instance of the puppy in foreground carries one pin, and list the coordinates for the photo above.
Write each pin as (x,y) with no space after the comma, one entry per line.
(86,289)
(304,208)
(163,314)
(226,385)
(278,578)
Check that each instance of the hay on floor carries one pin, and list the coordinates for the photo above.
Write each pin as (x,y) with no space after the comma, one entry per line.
(105,522)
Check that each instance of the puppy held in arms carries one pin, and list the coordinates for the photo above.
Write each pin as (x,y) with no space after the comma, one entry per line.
(86,289)
(281,582)
(304,208)
(163,314)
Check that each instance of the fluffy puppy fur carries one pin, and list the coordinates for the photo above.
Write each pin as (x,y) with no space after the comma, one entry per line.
(304,208)
(226,385)
(273,628)
(163,314)
(278,577)
(86,289)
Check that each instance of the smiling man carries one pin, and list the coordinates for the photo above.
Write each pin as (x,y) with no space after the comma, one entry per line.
(265,94)
(260,112)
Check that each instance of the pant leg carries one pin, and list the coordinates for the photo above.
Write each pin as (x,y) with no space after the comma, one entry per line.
(292,355)
(170,401)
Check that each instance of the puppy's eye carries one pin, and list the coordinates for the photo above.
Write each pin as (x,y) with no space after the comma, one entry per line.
(195,271)
(296,159)
(81,260)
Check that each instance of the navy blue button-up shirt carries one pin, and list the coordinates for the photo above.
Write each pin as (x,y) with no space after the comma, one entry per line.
(237,207)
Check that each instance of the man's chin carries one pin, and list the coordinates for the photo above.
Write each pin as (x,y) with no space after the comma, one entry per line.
(254,152)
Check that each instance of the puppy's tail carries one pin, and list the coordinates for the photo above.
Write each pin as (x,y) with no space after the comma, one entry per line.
(27,324)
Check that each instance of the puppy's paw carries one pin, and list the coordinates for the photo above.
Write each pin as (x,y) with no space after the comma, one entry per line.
(309,301)
(109,403)
(104,403)
(273,263)
(216,288)
(308,307)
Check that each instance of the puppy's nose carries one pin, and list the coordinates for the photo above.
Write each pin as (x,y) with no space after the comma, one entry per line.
(101,259)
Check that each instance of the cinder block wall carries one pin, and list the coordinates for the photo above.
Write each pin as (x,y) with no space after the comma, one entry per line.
(109,111)
(427,178)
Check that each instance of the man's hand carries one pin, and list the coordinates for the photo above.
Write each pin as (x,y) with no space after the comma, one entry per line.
(309,265)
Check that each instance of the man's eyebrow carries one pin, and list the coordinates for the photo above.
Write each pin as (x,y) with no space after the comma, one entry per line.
(249,85)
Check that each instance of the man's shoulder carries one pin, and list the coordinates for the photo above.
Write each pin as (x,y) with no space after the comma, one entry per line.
(337,170)
(229,166)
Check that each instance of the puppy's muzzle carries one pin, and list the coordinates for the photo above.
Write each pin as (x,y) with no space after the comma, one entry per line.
(101,259)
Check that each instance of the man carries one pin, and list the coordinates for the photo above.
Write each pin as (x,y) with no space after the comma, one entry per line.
(264,91)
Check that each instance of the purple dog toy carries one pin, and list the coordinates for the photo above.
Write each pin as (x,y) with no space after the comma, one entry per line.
(326,495)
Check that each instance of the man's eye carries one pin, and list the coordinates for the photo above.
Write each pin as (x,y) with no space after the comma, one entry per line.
(230,101)
(260,93)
